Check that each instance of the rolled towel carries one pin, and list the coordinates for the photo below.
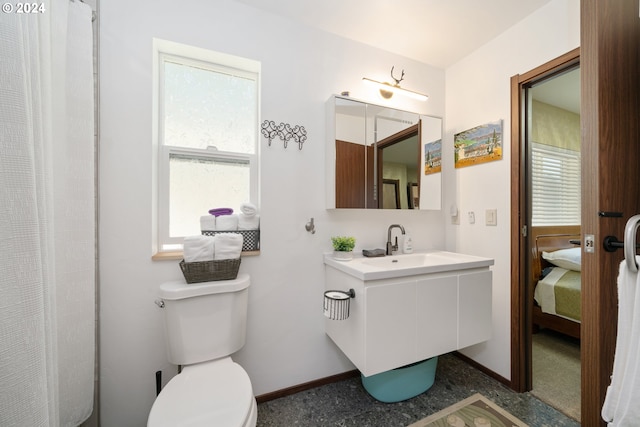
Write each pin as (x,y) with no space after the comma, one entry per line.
(221,211)
(227,222)
(248,222)
(248,209)
(198,248)
(227,246)
(207,222)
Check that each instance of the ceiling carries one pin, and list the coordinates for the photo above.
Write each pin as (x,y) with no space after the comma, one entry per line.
(434,32)
(563,91)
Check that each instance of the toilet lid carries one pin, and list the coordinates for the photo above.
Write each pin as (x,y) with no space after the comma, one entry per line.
(207,394)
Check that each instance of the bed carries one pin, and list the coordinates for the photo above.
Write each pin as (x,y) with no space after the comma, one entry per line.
(555,273)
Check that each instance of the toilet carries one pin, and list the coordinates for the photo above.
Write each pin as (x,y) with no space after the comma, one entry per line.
(204,324)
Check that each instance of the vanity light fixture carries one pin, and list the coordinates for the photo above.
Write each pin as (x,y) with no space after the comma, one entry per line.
(387,89)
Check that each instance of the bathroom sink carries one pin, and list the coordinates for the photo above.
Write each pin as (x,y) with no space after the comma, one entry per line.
(416,260)
(407,264)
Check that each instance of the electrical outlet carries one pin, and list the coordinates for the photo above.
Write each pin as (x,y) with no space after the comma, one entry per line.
(491,217)
(472,217)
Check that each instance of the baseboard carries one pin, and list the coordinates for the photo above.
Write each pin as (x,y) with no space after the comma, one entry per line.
(351,374)
(484,369)
(306,386)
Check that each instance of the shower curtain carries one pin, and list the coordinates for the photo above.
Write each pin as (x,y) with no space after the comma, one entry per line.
(47,216)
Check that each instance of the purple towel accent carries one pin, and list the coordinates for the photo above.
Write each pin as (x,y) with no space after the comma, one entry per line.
(221,211)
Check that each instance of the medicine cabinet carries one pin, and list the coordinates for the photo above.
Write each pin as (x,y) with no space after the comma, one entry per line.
(379,157)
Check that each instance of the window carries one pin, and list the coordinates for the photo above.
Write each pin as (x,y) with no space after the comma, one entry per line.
(555,183)
(206,133)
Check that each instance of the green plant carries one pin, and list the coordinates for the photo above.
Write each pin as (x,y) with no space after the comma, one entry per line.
(343,243)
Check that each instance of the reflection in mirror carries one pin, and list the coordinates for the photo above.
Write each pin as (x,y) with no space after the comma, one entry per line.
(381,158)
(350,152)
(398,161)
(431,166)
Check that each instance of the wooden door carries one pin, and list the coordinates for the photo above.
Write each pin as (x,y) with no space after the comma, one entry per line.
(610,121)
(350,175)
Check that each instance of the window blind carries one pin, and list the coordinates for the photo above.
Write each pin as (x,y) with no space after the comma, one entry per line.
(555,185)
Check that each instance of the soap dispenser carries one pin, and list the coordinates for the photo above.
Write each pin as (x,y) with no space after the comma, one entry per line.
(407,247)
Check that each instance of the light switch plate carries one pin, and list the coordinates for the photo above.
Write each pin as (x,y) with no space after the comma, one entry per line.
(491,217)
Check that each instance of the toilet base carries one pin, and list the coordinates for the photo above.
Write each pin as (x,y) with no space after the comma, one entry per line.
(252,418)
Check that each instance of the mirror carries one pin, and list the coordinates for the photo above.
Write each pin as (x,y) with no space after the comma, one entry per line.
(382,158)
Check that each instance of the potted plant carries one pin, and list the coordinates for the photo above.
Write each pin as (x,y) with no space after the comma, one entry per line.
(343,247)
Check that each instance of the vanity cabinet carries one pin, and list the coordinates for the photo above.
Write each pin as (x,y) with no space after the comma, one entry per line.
(399,321)
(474,308)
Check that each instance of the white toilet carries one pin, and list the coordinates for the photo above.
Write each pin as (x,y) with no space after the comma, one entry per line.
(205,323)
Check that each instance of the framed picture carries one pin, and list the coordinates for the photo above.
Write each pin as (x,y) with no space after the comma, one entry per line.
(433,157)
(478,145)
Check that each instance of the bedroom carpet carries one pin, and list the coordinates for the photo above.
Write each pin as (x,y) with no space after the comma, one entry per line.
(556,372)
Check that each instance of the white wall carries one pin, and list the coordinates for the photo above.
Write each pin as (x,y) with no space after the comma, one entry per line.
(286,344)
(478,91)
(301,68)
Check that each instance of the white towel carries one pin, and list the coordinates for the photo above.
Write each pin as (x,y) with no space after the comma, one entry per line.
(228,245)
(248,209)
(207,222)
(198,248)
(227,222)
(621,407)
(248,222)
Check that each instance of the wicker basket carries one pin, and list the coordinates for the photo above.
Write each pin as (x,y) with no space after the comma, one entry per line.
(209,271)
(251,238)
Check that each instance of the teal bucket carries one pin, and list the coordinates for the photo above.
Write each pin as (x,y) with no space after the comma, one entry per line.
(402,383)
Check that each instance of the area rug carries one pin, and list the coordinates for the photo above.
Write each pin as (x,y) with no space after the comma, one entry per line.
(474,411)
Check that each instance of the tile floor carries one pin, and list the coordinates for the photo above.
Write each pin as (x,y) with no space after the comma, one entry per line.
(346,403)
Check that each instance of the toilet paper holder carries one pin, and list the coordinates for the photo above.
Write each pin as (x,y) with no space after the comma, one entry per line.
(337,304)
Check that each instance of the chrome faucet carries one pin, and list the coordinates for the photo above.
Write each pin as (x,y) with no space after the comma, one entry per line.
(391,248)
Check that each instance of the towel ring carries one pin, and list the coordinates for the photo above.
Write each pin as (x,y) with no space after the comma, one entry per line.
(630,231)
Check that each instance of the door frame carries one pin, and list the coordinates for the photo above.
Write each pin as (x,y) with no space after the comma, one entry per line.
(610,55)
(521,304)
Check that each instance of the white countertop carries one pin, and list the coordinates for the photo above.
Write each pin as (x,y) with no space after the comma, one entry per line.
(403,265)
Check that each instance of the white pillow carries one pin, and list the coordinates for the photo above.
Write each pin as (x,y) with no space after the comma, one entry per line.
(564,258)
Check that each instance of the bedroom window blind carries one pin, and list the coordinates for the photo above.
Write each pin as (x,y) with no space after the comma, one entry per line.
(555,185)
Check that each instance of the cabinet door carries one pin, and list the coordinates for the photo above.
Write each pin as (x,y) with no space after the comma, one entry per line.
(437,316)
(474,308)
(390,326)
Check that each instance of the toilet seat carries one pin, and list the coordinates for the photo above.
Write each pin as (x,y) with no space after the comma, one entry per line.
(206,394)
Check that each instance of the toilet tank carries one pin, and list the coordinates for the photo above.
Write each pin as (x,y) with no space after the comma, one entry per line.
(204,321)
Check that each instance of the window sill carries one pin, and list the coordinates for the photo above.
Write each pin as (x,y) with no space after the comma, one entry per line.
(178,255)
